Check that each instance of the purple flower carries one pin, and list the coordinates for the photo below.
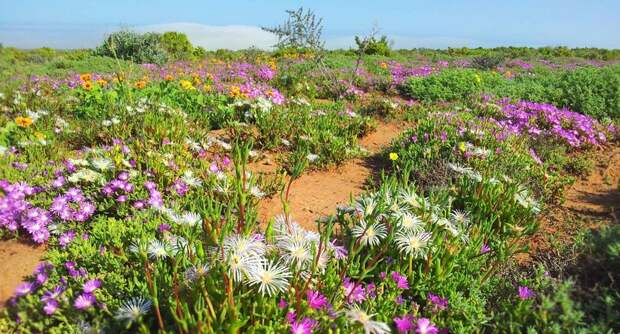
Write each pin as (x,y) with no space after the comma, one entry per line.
(66,238)
(163,228)
(438,302)
(525,293)
(316,300)
(485,249)
(282,303)
(24,289)
(84,301)
(91,285)
(424,326)
(404,324)
(50,307)
(400,280)
(303,327)
(353,291)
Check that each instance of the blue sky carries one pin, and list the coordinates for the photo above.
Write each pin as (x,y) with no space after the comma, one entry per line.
(235,24)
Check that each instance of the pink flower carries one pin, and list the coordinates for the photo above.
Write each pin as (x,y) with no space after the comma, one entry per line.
(84,301)
(525,293)
(404,324)
(316,300)
(424,326)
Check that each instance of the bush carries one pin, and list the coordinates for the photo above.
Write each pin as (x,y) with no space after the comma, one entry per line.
(487,62)
(374,46)
(139,48)
(177,45)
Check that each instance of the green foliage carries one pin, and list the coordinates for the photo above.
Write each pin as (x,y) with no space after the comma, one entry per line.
(486,62)
(373,46)
(177,45)
(129,45)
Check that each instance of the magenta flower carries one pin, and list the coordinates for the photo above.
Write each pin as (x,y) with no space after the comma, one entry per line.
(282,303)
(404,324)
(438,302)
(316,300)
(353,291)
(525,293)
(400,280)
(303,327)
(424,326)
(485,249)
(24,289)
(84,301)
(91,285)
(50,307)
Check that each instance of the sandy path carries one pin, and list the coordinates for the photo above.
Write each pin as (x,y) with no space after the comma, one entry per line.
(17,260)
(318,193)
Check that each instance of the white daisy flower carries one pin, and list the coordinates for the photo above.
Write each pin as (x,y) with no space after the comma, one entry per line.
(102,164)
(312,157)
(133,309)
(158,249)
(257,192)
(413,243)
(370,326)
(271,278)
(194,273)
(369,235)
(409,221)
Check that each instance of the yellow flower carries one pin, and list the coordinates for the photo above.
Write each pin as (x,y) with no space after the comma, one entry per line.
(477,78)
(85,77)
(508,74)
(39,135)
(102,82)
(234,91)
(24,122)
(462,147)
(187,85)
(393,156)
(207,88)
(87,85)
(140,84)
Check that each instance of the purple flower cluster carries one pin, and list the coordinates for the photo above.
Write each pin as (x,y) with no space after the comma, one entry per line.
(409,324)
(546,120)
(155,198)
(400,73)
(437,302)
(16,211)
(73,206)
(119,187)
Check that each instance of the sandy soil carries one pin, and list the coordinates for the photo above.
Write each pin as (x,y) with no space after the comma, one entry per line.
(318,193)
(17,260)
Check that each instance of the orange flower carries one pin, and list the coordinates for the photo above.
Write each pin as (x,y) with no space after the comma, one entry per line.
(234,91)
(383,65)
(23,122)
(102,82)
(87,85)
(207,88)
(168,77)
(85,77)
(140,84)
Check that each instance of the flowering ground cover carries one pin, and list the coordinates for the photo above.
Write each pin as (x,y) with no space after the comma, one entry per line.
(140,182)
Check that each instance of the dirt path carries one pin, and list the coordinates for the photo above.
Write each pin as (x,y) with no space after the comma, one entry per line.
(17,260)
(318,193)
(590,202)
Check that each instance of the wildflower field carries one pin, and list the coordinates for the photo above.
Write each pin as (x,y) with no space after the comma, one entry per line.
(239,192)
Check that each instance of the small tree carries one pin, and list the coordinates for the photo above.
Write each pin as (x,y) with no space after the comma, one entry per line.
(177,45)
(302,31)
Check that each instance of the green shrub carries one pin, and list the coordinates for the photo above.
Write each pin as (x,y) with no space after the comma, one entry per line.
(177,45)
(139,48)
(374,46)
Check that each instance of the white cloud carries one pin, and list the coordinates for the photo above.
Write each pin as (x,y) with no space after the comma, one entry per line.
(233,37)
